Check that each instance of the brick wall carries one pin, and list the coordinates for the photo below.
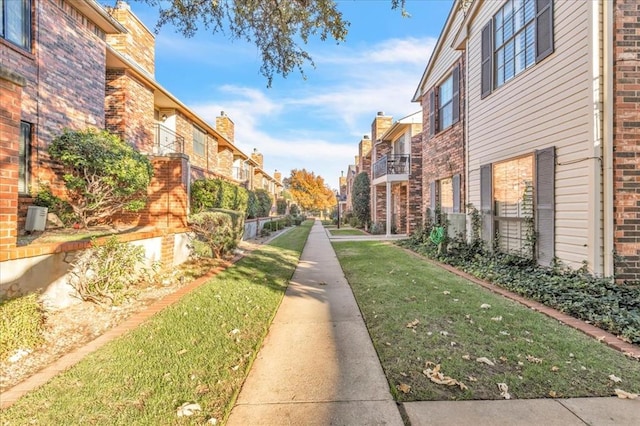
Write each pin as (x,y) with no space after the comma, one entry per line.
(380,125)
(258,158)
(225,126)
(443,153)
(225,162)
(626,134)
(129,109)
(138,44)
(65,82)
(414,201)
(11,85)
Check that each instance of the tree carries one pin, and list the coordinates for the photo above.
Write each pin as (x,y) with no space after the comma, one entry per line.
(103,175)
(276,27)
(310,191)
(361,198)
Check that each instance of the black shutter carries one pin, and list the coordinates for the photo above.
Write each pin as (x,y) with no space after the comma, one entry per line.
(455,182)
(545,205)
(432,199)
(432,111)
(456,95)
(486,204)
(487,59)
(544,29)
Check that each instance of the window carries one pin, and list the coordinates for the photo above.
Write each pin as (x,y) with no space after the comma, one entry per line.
(519,35)
(23,157)
(445,194)
(444,103)
(517,198)
(15,22)
(199,140)
(513,202)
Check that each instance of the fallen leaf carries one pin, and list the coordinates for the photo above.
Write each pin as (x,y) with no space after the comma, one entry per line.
(188,409)
(467,357)
(404,388)
(234,331)
(472,379)
(485,360)
(439,378)
(555,368)
(505,333)
(453,344)
(212,421)
(413,324)
(444,333)
(532,359)
(498,318)
(614,378)
(446,292)
(553,394)
(388,343)
(485,306)
(202,389)
(181,352)
(503,359)
(403,374)
(625,395)
(504,390)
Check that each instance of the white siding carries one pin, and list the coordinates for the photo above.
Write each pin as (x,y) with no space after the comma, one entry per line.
(445,57)
(549,104)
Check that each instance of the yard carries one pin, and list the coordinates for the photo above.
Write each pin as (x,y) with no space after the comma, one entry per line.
(441,337)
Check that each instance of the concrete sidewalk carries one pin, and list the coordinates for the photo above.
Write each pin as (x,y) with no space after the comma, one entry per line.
(318,366)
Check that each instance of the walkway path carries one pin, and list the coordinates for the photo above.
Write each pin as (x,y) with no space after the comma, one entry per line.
(318,367)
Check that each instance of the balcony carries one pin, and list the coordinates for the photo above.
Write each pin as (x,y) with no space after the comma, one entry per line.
(167,141)
(391,165)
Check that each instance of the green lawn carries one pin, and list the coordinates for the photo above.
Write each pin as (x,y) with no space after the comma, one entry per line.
(196,351)
(418,313)
(348,231)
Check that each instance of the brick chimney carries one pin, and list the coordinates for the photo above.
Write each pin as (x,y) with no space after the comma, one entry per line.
(139,44)
(380,125)
(364,147)
(277,176)
(257,157)
(225,126)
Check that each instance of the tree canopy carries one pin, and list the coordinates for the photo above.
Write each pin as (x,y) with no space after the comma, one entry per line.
(309,190)
(278,28)
(361,198)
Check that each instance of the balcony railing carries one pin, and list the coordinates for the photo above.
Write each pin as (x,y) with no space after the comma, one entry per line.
(167,141)
(391,165)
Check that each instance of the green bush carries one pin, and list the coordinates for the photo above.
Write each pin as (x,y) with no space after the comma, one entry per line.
(105,273)
(21,324)
(264,203)
(252,205)
(220,230)
(56,205)
(294,210)
(103,175)
(281,206)
(207,194)
(361,199)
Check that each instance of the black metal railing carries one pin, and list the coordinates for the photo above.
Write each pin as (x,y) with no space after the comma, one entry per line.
(391,165)
(167,141)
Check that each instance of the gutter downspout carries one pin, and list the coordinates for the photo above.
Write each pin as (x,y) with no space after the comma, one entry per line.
(607,142)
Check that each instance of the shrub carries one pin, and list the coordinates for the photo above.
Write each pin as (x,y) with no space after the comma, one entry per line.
(102,174)
(216,229)
(56,205)
(252,205)
(361,199)
(104,273)
(294,210)
(21,324)
(207,194)
(264,203)
(281,206)
(377,228)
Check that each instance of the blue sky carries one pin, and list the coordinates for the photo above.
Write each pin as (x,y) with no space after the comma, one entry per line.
(314,123)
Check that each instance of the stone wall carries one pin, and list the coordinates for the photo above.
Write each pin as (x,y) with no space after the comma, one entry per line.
(138,44)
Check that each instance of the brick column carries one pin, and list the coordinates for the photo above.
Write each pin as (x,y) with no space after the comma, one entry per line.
(11,85)
(626,134)
(168,201)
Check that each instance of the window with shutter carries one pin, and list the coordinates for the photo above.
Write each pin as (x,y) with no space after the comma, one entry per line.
(519,36)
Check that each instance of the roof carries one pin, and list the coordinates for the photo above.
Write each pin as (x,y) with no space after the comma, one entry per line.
(99,16)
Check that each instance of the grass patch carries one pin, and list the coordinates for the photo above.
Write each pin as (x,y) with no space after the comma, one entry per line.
(198,350)
(534,355)
(349,231)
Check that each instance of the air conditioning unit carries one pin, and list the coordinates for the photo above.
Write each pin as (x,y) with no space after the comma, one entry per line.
(36,218)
